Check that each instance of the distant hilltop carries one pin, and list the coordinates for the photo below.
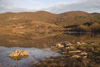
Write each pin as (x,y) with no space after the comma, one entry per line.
(62,19)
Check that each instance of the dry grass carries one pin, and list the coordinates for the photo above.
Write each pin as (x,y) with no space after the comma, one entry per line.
(63,19)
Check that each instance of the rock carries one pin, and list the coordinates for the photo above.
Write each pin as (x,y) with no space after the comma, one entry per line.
(59,45)
(67,47)
(83,43)
(70,47)
(78,43)
(84,57)
(24,53)
(18,52)
(69,44)
(76,56)
(75,51)
(53,48)
(65,52)
(83,53)
(15,53)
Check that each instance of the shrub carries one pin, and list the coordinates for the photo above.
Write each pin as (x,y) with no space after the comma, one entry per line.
(82,28)
(95,27)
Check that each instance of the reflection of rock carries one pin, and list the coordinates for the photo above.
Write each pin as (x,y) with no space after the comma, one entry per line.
(18,52)
(18,58)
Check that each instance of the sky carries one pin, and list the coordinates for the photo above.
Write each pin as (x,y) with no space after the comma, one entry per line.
(53,6)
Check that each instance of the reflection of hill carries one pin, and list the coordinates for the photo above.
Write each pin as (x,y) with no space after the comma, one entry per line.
(11,41)
(18,58)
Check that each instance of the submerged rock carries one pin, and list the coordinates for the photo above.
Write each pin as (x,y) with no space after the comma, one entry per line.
(18,52)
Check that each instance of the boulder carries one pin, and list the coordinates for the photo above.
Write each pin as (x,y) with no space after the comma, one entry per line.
(24,53)
(76,56)
(59,45)
(18,52)
(15,53)
(53,48)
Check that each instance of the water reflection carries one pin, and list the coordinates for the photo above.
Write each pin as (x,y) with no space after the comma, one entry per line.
(18,58)
(35,55)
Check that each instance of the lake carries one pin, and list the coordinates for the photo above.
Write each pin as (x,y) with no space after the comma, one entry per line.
(38,48)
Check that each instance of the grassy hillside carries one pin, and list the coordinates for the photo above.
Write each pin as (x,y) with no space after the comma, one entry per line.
(63,19)
(43,20)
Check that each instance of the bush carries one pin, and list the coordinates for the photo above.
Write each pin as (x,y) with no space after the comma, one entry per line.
(82,28)
(95,27)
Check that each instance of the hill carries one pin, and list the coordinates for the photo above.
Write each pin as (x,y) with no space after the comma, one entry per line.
(43,20)
(63,19)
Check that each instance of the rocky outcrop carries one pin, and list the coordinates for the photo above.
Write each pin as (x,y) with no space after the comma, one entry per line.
(18,52)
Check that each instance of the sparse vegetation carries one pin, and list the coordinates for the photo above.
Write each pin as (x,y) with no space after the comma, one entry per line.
(34,29)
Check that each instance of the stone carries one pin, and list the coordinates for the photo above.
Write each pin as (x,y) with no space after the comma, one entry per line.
(75,51)
(53,48)
(78,43)
(69,44)
(24,53)
(83,43)
(18,52)
(59,45)
(15,53)
(76,56)
(70,47)
(84,53)
(84,57)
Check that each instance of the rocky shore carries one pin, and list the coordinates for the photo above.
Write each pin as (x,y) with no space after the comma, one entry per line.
(79,54)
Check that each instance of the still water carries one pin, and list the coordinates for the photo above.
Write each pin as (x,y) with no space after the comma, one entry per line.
(34,55)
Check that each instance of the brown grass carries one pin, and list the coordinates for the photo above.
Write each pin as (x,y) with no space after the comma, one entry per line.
(63,19)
